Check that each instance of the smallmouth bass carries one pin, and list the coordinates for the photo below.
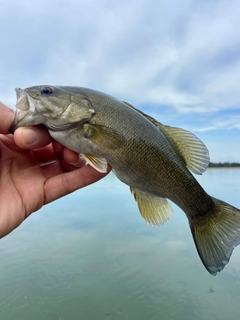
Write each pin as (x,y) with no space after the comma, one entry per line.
(153,159)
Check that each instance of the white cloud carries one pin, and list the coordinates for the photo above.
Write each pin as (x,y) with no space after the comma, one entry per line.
(179,54)
(223,123)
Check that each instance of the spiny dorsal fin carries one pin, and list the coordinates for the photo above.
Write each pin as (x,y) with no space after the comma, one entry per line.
(192,149)
(154,210)
(100,164)
(154,121)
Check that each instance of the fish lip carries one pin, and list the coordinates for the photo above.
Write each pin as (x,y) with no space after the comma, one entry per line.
(22,102)
(25,99)
(19,116)
(22,108)
(25,108)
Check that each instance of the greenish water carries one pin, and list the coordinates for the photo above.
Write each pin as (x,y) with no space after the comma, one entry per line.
(91,256)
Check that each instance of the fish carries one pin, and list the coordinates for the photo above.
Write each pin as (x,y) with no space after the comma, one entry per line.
(156,161)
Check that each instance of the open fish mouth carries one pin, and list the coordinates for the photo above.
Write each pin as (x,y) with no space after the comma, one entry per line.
(22,100)
(25,108)
(25,101)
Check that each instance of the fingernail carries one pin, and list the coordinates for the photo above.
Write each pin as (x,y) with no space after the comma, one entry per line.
(80,163)
(29,136)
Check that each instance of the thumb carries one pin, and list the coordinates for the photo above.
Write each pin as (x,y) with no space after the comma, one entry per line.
(32,137)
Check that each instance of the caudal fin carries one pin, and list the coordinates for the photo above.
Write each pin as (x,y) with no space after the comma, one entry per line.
(216,235)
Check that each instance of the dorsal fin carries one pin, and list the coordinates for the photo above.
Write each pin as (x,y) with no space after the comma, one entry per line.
(194,152)
(192,149)
(154,121)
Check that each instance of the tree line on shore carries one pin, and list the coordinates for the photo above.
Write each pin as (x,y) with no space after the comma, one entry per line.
(224,165)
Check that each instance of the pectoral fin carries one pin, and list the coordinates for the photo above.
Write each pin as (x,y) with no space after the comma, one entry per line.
(103,136)
(100,164)
(154,210)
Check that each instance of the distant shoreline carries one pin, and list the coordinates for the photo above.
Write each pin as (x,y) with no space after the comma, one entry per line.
(224,168)
(224,165)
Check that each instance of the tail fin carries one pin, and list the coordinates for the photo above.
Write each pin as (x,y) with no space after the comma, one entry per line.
(216,236)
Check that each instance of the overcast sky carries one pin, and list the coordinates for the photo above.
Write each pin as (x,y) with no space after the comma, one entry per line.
(176,60)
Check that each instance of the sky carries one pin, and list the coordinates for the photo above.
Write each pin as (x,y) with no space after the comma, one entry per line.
(178,61)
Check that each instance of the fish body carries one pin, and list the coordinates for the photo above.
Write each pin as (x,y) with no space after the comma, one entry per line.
(153,159)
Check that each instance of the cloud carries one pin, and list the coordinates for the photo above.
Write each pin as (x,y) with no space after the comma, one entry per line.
(179,57)
(184,55)
(231,122)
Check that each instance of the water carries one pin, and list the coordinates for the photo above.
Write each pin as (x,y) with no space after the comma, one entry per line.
(91,256)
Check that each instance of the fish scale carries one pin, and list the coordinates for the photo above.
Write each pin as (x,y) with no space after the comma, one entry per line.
(153,159)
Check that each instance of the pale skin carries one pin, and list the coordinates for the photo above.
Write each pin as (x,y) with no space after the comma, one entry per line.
(25,184)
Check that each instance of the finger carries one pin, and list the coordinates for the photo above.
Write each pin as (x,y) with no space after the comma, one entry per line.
(66,183)
(45,155)
(32,137)
(52,170)
(70,156)
(7,116)
(67,167)
(58,147)
(57,167)
(68,159)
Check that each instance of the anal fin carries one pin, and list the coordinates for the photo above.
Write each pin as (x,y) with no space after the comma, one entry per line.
(154,210)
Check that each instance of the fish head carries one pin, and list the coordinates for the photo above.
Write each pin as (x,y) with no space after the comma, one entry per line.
(52,106)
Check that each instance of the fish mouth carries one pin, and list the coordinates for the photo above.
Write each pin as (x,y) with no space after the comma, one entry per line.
(25,101)
(22,100)
(25,114)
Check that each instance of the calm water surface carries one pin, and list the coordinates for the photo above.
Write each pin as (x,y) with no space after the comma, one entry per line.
(91,256)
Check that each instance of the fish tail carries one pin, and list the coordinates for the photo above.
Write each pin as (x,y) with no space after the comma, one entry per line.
(216,235)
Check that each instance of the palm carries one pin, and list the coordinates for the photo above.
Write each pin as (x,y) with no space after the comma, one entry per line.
(25,185)
(19,182)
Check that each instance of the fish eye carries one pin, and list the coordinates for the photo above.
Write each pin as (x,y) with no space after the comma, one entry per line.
(47,91)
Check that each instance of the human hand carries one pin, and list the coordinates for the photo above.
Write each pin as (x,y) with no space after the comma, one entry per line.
(26,184)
